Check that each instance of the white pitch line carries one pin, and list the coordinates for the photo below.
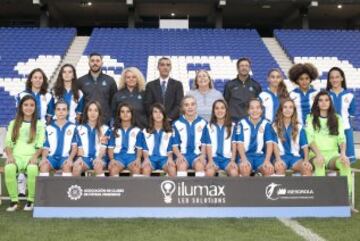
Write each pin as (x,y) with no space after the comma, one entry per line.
(305,233)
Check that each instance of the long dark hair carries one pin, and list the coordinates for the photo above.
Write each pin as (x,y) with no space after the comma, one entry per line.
(332,120)
(44,86)
(20,118)
(59,88)
(343,83)
(282,91)
(166,125)
(227,122)
(85,118)
(279,124)
(118,122)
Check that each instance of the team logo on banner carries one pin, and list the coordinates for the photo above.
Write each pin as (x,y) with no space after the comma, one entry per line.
(75,192)
(275,191)
(168,188)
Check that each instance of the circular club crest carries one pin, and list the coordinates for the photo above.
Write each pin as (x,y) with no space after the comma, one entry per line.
(74,192)
(69,132)
(199,129)
(261,129)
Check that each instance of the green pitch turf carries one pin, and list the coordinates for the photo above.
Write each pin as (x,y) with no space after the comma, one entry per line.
(21,226)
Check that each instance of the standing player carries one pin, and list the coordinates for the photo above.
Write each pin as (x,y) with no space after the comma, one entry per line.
(66,89)
(121,149)
(24,141)
(303,96)
(60,146)
(255,142)
(272,96)
(291,151)
(325,134)
(156,143)
(218,138)
(92,141)
(187,141)
(344,103)
(37,85)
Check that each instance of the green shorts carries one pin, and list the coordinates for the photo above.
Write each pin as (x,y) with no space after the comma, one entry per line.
(328,155)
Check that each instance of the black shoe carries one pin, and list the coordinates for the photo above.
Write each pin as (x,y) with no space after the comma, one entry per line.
(21,195)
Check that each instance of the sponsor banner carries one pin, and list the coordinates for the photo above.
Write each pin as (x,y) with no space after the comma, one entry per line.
(134,195)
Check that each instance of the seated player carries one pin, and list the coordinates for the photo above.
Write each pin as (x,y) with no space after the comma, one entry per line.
(291,150)
(218,138)
(92,138)
(156,143)
(121,148)
(187,141)
(60,146)
(255,142)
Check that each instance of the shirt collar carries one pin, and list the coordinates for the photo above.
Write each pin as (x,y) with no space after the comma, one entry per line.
(166,80)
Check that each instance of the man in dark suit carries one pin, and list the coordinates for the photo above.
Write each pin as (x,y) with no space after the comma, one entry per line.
(165,90)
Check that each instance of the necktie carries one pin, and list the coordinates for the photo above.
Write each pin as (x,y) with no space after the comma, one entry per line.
(163,88)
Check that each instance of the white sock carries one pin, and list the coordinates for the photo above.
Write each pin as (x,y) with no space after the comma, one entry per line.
(199,174)
(181,174)
(43,174)
(66,174)
(137,175)
(100,175)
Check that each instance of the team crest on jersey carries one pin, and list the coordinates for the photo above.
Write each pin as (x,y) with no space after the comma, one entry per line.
(69,132)
(246,129)
(267,98)
(261,129)
(166,137)
(199,129)
(50,133)
(251,88)
(104,83)
(346,100)
(44,98)
(133,134)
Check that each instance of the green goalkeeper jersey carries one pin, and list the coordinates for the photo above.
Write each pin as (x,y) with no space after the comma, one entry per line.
(322,138)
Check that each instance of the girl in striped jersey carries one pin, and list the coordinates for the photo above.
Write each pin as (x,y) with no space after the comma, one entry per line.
(121,149)
(303,96)
(218,138)
(66,89)
(156,143)
(187,140)
(272,96)
(255,139)
(60,146)
(344,103)
(291,150)
(92,141)
(37,85)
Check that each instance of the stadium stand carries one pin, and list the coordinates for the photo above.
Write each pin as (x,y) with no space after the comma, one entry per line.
(216,50)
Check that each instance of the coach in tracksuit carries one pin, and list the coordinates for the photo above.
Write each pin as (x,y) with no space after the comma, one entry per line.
(240,90)
(98,86)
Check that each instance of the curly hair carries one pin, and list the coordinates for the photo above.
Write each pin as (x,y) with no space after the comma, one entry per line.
(139,76)
(299,69)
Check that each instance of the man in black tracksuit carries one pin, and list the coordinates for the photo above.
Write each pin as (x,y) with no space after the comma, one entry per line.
(239,91)
(98,86)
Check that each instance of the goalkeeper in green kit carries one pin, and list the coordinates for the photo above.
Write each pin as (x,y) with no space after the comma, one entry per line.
(23,147)
(325,134)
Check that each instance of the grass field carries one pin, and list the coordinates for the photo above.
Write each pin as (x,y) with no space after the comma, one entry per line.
(21,226)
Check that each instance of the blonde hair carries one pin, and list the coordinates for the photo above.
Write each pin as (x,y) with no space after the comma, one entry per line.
(195,84)
(139,76)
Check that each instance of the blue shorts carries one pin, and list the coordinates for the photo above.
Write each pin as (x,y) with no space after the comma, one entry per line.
(256,160)
(89,162)
(56,162)
(125,159)
(290,160)
(158,162)
(221,162)
(191,158)
(350,150)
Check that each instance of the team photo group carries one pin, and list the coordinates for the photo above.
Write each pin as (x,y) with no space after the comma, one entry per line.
(97,123)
